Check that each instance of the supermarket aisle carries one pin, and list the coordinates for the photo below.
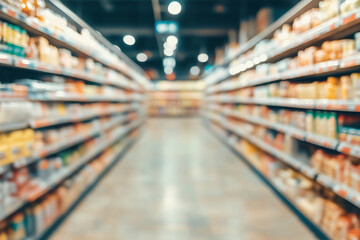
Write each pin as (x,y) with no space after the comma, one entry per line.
(179,182)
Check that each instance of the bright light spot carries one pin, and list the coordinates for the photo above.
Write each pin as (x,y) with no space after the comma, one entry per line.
(142,57)
(129,40)
(174,8)
(256,60)
(263,58)
(203,57)
(168,70)
(249,64)
(168,52)
(169,61)
(169,46)
(172,40)
(195,70)
(234,70)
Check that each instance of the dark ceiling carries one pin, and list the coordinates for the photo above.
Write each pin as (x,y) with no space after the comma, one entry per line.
(201,26)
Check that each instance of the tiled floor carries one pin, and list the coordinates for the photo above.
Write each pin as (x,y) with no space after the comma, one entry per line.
(179,183)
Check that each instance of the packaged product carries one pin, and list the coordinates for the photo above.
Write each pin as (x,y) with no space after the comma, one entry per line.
(357,41)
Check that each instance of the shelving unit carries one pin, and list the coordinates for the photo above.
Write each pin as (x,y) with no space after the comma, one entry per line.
(258,102)
(175,99)
(75,122)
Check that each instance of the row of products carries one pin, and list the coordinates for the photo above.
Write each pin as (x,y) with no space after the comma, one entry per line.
(346,88)
(340,167)
(289,33)
(16,41)
(21,144)
(20,112)
(330,50)
(62,87)
(174,103)
(36,218)
(336,221)
(38,13)
(344,127)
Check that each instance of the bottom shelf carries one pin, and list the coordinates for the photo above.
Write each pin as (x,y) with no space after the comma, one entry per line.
(49,231)
(317,231)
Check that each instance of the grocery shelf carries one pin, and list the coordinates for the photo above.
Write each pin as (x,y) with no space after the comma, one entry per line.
(42,123)
(68,143)
(335,28)
(34,27)
(68,171)
(48,232)
(66,97)
(290,203)
(292,131)
(48,122)
(340,189)
(7,60)
(320,69)
(320,104)
(302,135)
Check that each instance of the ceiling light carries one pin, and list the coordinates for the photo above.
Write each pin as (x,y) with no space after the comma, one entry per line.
(129,40)
(168,46)
(174,8)
(169,61)
(195,70)
(168,70)
(142,57)
(168,52)
(203,57)
(172,40)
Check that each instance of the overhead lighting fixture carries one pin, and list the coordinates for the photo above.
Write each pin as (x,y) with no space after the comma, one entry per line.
(141,57)
(169,46)
(203,57)
(168,70)
(174,8)
(168,52)
(172,40)
(129,40)
(169,61)
(195,70)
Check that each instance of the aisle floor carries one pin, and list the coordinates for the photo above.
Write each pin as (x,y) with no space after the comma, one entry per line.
(178,182)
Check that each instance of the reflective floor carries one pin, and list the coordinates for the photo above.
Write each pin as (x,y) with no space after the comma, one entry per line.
(178,182)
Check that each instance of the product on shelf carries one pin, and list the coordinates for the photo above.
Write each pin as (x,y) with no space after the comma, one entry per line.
(175,99)
(334,220)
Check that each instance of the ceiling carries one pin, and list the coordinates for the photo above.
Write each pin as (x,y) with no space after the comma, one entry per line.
(203,26)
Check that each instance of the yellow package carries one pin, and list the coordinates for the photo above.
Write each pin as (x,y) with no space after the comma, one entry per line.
(5,153)
(16,145)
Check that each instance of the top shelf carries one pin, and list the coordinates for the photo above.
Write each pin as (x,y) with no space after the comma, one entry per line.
(293,13)
(35,28)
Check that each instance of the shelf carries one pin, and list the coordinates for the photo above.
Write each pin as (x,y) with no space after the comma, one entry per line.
(42,123)
(302,135)
(335,28)
(66,97)
(113,160)
(28,64)
(291,203)
(65,144)
(321,69)
(340,189)
(321,104)
(68,171)
(35,28)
